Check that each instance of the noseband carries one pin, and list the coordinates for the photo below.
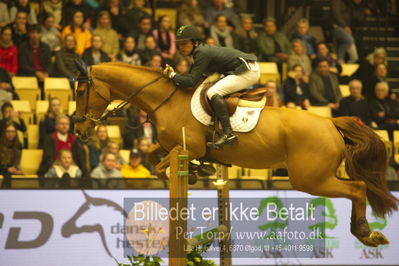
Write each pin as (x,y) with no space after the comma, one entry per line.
(90,84)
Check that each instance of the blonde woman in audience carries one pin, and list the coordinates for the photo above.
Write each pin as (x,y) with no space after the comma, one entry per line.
(47,123)
(165,38)
(64,167)
(10,151)
(220,32)
(272,97)
(79,31)
(114,148)
(108,35)
(302,33)
(97,145)
(298,57)
(129,54)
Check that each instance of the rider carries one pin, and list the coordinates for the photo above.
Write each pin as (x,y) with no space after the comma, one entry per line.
(240,70)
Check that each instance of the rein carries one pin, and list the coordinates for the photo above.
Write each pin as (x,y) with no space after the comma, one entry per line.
(89,116)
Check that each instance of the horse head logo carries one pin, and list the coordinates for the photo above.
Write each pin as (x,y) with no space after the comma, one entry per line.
(86,213)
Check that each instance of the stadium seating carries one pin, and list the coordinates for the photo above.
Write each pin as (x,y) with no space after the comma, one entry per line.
(27,88)
(71,107)
(30,161)
(396,145)
(345,92)
(125,154)
(268,71)
(349,69)
(60,88)
(23,106)
(320,110)
(33,136)
(41,109)
(114,133)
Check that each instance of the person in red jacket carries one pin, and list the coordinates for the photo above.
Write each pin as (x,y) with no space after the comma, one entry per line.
(8,51)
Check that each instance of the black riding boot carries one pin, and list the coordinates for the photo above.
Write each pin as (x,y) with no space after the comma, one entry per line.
(221,112)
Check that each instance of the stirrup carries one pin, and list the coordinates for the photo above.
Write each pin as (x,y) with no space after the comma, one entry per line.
(230,139)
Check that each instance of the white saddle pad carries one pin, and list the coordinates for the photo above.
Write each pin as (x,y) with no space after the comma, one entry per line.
(243,120)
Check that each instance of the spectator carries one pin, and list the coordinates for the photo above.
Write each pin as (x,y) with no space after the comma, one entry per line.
(6,93)
(295,89)
(245,37)
(368,65)
(144,145)
(142,32)
(182,66)
(189,13)
(165,38)
(71,7)
(218,8)
(302,33)
(119,20)
(324,87)
(24,5)
(47,124)
(20,28)
(65,65)
(344,14)
(298,57)
(323,53)
(10,116)
(108,35)
(149,50)
(134,168)
(10,152)
(155,62)
(53,8)
(107,168)
(221,33)
(97,145)
(79,31)
(384,110)
(57,141)
(380,74)
(210,41)
(136,12)
(355,104)
(272,98)
(34,57)
(64,166)
(135,129)
(50,33)
(273,45)
(4,15)
(114,148)
(95,54)
(8,52)
(129,54)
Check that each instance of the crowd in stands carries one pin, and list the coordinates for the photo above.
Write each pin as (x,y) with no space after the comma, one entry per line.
(45,39)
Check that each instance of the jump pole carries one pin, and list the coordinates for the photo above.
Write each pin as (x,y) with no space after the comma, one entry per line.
(178,180)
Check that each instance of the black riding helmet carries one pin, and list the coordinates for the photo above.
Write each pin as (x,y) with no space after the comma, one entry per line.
(188,33)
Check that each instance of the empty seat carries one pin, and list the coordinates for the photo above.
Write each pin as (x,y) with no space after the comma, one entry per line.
(324,111)
(41,109)
(71,107)
(114,133)
(23,106)
(349,69)
(344,90)
(268,71)
(30,161)
(125,154)
(27,88)
(33,136)
(60,88)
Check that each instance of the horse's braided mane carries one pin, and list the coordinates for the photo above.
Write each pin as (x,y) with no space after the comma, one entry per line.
(121,64)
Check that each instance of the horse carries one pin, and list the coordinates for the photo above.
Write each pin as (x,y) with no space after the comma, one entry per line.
(310,146)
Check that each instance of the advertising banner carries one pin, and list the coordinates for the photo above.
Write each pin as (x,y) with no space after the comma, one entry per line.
(100,227)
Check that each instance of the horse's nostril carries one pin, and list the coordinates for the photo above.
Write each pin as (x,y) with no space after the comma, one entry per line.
(77,131)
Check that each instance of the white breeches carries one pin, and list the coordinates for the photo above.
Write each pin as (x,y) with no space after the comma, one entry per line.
(234,83)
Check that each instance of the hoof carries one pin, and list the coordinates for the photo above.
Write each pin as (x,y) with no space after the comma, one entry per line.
(206,170)
(375,239)
(192,179)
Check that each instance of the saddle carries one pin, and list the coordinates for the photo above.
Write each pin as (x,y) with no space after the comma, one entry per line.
(244,98)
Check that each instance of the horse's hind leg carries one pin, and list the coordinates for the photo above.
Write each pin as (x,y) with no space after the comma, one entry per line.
(356,192)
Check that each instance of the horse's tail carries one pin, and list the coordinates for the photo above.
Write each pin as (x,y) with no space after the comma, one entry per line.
(366,160)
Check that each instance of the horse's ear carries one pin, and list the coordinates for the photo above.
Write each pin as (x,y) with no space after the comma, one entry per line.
(82,67)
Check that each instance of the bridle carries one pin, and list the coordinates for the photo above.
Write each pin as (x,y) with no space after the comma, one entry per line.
(90,84)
